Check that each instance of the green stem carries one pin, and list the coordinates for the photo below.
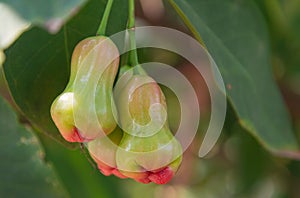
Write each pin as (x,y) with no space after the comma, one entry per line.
(131,19)
(133,57)
(102,28)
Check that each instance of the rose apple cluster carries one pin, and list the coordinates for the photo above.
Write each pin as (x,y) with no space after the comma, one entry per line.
(127,133)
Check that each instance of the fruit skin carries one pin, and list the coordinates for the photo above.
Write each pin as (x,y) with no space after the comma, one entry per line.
(103,151)
(151,159)
(83,111)
(152,155)
(62,115)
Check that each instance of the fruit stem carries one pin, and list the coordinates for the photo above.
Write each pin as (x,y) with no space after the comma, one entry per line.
(102,28)
(133,57)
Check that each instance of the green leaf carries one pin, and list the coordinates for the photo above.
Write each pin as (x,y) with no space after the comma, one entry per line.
(37,65)
(37,11)
(234,33)
(23,171)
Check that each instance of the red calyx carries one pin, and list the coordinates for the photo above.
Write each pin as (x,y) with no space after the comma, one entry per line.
(75,136)
(107,171)
(162,176)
